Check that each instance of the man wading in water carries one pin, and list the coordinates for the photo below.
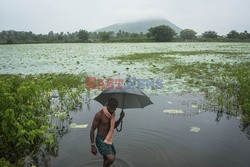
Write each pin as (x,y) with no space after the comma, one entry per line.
(105,123)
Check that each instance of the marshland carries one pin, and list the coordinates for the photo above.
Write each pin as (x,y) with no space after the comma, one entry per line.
(202,110)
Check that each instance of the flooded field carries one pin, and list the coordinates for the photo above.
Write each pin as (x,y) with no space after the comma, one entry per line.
(99,60)
(151,137)
(200,115)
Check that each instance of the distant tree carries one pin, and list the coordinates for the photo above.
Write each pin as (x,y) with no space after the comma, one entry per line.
(119,34)
(51,33)
(126,34)
(244,35)
(233,34)
(93,35)
(162,33)
(134,35)
(210,34)
(112,33)
(61,36)
(83,35)
(10,37)
(51,36)
(141,34)
(188,34)
(105,36)
(3,37)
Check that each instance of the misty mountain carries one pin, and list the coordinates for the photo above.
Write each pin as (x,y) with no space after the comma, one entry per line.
(139,26)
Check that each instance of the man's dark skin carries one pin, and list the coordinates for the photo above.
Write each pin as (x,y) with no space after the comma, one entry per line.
(102,123)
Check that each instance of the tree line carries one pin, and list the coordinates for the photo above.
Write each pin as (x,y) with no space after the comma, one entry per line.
(162,33)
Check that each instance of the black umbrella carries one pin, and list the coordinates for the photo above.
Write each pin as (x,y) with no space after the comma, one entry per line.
(127,98)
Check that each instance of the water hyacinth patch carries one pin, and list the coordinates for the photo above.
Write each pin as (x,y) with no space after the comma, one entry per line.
(194,106)
(173,111)
(222,75)
(195,129)
(76,126)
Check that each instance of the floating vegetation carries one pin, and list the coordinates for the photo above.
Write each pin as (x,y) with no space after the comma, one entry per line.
(35,108)
(231,83)
(195,129)
(141,57)
(75,126)
(173,111)
(194,106)
(226,84)
(160,55)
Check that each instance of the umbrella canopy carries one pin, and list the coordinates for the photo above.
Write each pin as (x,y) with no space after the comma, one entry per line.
(127,98)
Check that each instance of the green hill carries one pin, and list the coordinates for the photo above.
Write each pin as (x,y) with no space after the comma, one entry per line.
(139,26)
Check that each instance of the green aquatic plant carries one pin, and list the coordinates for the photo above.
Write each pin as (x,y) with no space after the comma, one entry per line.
(160,55)
(76,126)
(173,111)
(26,109)
(242,87)
(138,57)
(195,129)
(229,81)
(220,100)
(232,82)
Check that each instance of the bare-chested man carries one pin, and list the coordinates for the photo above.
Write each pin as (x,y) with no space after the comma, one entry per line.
(102,123)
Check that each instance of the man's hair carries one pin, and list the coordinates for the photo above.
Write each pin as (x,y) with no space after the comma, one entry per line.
(112,102)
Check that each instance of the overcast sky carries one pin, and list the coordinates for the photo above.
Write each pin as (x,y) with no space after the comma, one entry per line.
(41,16)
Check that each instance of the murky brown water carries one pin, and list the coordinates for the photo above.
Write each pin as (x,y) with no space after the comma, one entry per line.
(151,137)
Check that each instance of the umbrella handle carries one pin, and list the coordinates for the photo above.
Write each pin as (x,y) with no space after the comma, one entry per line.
(119,130)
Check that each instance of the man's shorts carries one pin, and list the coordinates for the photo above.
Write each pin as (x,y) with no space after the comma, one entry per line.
(104,148)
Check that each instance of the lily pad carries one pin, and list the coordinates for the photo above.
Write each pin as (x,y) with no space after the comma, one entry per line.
(194,106)
(195,129)
(173,111)
(74,126)
(82,126)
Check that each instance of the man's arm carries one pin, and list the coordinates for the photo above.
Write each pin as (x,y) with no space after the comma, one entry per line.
(95,124)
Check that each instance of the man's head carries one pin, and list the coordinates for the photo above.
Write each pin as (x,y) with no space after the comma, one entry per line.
(112,105)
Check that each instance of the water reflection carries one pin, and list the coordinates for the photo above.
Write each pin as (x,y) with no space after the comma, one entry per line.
(247,131)
(151,137)
(99,161)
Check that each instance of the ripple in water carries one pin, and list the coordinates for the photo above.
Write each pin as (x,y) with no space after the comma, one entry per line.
(118,163)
